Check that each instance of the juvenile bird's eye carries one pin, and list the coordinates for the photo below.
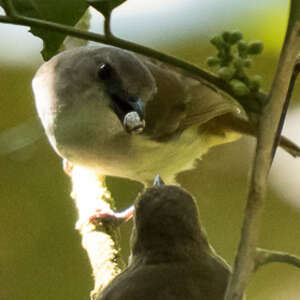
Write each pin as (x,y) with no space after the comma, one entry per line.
(104,71)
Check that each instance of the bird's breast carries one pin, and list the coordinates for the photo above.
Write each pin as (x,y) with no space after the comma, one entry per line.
(139,158)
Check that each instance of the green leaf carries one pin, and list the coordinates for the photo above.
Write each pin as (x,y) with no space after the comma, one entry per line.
(67,12)
(105,7)
(5,6)
(255,48)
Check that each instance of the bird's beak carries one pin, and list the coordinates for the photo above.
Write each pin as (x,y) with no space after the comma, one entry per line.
(130,112)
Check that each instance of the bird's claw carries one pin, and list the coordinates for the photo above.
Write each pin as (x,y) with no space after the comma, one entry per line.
(109,216)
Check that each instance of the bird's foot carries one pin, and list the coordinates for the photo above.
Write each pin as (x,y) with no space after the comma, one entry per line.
(109,216)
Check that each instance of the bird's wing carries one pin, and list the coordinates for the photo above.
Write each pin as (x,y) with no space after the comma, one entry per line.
(167,109)
(182,102)
(196,102)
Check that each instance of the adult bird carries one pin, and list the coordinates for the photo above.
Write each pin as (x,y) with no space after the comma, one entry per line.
(125,115)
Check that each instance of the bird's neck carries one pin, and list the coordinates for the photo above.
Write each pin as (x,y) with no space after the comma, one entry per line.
(163,251)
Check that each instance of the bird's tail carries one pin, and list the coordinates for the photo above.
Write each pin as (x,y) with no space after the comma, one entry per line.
(245,127)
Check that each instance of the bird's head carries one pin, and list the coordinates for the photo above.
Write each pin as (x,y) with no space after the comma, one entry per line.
(166,224)
(91,96)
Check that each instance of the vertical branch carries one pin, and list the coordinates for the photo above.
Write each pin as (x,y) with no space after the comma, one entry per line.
(102,241)
(286,105)
(268,127)
(264,256)
(107,27)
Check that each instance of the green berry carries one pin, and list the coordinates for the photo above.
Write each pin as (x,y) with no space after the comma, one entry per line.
(235,36)
(212,61)
(239,88)
(247,62)
(255,48)
(226,36)
(255,82)
(242,48)
(221,55)
(225,73)
(238,63)
(218,42)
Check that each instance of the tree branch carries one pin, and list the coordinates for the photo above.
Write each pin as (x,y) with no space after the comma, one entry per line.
(286,105)
(264,256)
(268,128)
(102,241)
(107,29)
(191,69)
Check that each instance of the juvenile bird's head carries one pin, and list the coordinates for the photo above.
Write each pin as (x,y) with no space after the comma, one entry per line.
(166,225)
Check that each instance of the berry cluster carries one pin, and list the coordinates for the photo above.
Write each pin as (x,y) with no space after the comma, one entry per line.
(233,58)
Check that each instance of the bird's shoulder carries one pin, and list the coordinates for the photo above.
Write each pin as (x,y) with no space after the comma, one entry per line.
(182,101)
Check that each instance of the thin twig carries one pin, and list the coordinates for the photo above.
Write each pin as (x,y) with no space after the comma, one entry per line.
(245,259)
(68,30)
(264,256)
(107,29)
(286,105)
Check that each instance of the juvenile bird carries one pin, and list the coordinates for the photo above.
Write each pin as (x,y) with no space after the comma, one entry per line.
(125,115)
(171,258)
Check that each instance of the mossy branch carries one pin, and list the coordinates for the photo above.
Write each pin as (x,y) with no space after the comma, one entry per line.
(102,241)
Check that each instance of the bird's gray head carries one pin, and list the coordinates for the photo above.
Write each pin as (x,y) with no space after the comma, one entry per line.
(83,97)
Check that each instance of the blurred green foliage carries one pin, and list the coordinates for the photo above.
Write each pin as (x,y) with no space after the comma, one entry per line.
(41,255)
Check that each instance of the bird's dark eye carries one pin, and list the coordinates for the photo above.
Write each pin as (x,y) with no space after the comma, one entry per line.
(104,71)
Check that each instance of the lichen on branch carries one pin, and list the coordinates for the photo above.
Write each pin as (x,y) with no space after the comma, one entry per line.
(102,241)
